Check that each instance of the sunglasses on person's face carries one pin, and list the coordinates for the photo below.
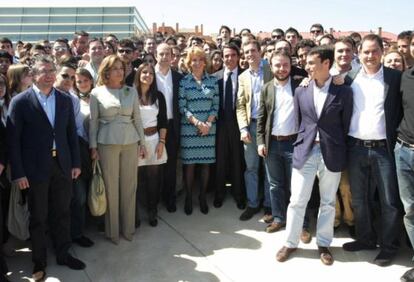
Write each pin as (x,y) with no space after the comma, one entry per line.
(276,36)
(316,31)
(67,76)
(126,51)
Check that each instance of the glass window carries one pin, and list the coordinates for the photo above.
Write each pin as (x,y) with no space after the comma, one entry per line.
(90,11)
(36,11)
(65,19)
(117,19)
(89,19)
(117,10)
(62,28)
(62,11)
(11,11)
(114,28)
(10,19)
(34,20)
(35,28)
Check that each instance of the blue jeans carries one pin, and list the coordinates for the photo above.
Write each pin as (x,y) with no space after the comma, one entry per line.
(404,160)
(251,175)
(278,163)
(364,163)
(301,189)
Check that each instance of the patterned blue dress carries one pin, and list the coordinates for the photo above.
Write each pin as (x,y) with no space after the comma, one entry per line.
(200,100)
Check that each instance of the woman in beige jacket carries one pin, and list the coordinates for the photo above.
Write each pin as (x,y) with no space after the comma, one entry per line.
(117,139)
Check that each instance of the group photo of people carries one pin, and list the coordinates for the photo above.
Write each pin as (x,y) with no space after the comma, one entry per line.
(296,130)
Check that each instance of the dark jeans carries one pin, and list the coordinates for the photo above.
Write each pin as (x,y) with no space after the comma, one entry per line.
(278,164)
(50,200)
(404,160)
(378,164)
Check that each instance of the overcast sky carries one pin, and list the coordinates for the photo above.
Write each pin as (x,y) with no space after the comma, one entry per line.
(262,15)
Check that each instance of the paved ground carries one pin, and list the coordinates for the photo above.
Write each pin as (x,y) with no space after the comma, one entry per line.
(213,247)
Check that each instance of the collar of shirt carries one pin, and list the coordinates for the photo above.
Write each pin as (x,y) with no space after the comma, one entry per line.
(378,75)
(278,86)
(324,88)
(158,71)
(41,94)
(259,71)
(227,71)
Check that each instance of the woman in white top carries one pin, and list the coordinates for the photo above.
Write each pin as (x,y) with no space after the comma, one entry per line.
(154,118)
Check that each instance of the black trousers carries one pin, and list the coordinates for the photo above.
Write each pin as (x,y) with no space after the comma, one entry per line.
(49,202)
(170,169)
(229,160)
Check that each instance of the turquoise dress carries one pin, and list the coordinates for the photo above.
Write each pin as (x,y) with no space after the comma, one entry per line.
(201,101)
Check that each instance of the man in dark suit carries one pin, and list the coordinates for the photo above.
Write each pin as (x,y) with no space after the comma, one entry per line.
(229,156)
(275,136)
(168,82)
(323,112)
(44,156)
(372,136)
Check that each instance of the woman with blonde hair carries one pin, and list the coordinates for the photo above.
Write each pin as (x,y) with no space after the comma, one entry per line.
(19,77)
(198,103)
(395,60)
(116,138)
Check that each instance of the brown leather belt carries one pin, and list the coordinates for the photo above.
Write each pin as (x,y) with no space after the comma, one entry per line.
(150,130)
(285,138)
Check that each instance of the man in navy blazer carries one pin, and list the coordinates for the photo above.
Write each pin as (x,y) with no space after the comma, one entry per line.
(44,156)
(323,112)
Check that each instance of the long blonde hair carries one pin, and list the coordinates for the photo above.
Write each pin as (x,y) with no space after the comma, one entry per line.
(15,74)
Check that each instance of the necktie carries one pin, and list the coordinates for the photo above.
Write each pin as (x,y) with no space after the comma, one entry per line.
(228,98)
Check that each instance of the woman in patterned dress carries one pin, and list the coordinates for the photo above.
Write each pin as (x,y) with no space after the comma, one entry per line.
(198,102)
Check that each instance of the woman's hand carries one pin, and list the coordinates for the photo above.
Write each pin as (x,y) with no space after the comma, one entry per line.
(204,128)
(94,154)
(142,152)
(159,150)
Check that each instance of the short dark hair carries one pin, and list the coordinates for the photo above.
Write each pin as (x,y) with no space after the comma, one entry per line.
(81,33)
(373,37)
(253,41)
(170,38)
(198,39)
(279,30)
(284,40)
(346,40)
(243,29)
(233,47)
(126,43)
(95,39)
(236,41)
(280,53)
(305,43)
(405,35)
(318,25)
(292,30)
(329,36)
(225,27)
(324,53)
(180,35)
(4,40)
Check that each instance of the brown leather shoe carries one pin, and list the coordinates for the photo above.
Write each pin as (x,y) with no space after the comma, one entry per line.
(274,227)
(325,255)
(267,218)
(305,236)
(284,253)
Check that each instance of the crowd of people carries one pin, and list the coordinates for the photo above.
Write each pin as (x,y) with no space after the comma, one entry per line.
(292,124)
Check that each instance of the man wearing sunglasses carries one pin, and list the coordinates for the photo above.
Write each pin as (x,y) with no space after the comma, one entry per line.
(316,30)
(277,34)
(125,52)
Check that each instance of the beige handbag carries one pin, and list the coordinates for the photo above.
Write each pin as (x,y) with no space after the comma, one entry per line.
(97,196)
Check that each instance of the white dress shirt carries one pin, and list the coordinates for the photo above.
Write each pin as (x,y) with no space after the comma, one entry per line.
(165,85)
(283,114)
(368,117)
(319,98)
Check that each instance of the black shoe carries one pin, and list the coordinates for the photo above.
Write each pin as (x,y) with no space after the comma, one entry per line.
(249,213)
(203,205)
(384,258)
(152,218)
(188,206)
(39,272)
(356,246)
(241,205)
(218,202)
(71,262)
(408,276)
(171,208)
(83,241)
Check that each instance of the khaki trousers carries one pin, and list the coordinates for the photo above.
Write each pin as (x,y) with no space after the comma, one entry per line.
(119,169)
(345,192)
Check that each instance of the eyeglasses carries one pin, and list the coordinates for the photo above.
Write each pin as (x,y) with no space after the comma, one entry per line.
(126,51)
(67,76)
(316,31)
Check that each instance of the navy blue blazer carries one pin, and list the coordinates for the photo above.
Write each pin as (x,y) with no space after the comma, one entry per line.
(30,137)
(333,125)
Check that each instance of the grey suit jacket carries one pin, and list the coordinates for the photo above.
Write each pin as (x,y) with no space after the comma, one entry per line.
(266,111)
(115,117)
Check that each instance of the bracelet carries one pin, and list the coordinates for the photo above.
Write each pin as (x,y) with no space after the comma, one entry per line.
(162,141)
(208,123)
(197,123)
